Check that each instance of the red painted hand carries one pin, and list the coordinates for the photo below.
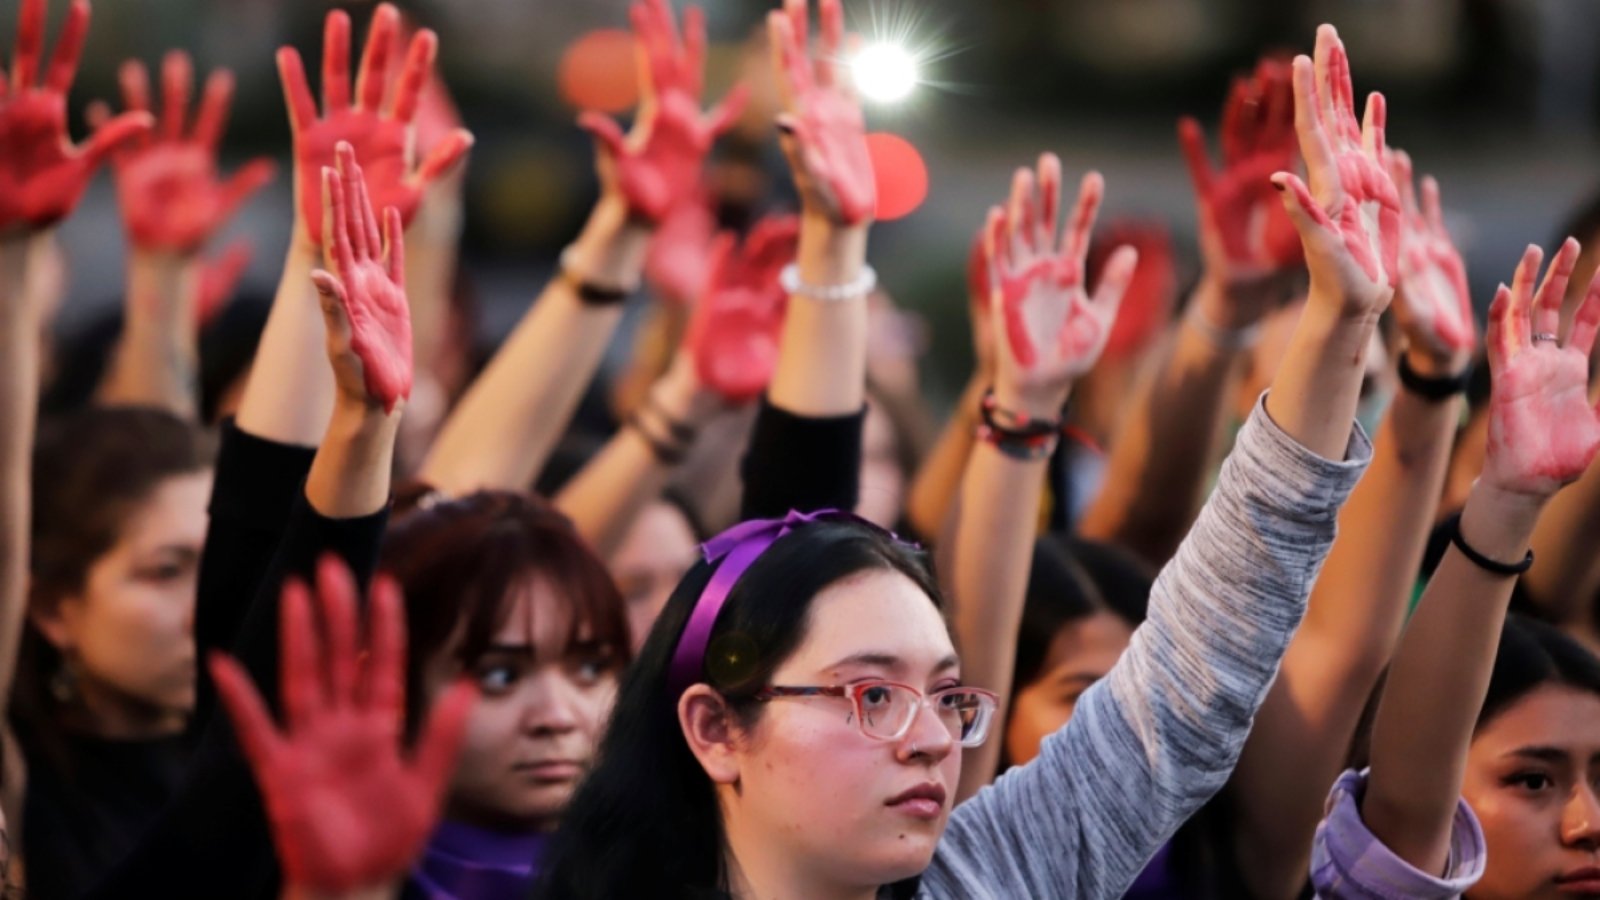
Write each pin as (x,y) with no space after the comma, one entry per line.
(218,279)
(1543,432)
(364,297)
(657,165)
(348,808)
(42,175)
(733,335)
(1432,303)
(1054,330)
(1349,219)
(379,124)
(679,262)
(823,131)
(1245,235)
(1152,292)
(167,183)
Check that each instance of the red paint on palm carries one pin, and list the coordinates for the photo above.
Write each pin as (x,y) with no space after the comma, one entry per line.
(168,186)
(1432,301)
(378,123)
(348,806)
(734,333)
(42,175)
(219,278)
(1241,216)
(1543,431)
(657,165)
(1055,330)
(1352,204)
(368,281)
(830,155)
(679,261)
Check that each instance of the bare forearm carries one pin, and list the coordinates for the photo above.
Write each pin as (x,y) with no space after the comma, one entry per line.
(290,392)
(1314,395)
(606,497)
(1438,681)
(504,429)
(1567,579)
(156,361)
(1153,490)
(19,375)
(933,491)
(350,475)
(822,355)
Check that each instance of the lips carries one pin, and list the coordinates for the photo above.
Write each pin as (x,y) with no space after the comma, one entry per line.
(551,770)
(1582,881)
(925,801)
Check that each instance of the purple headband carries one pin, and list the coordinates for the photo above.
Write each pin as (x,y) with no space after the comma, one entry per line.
(738,548)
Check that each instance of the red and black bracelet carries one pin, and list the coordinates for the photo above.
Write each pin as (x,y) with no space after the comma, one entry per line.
(1017,435)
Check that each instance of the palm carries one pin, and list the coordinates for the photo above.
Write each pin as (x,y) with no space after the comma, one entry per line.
(1432,302)
(379,143)
(840,171)
(41,178)
(1543,432)
(380,327)
(170,194)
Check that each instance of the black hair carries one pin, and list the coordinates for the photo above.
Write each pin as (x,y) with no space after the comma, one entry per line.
(1533,654)
(646,820)
(1073,579)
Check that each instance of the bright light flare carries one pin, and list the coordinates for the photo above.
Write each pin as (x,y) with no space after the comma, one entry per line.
(885,73)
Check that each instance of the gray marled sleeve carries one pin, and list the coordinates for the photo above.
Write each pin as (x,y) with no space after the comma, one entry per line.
(1158,736)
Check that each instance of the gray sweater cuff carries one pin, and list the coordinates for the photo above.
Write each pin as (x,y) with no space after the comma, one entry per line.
(1306,487)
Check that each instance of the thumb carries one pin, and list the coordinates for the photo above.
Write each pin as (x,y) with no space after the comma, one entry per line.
(605,131)
(335,302)
(1307,215)
(442,737)
(113,134)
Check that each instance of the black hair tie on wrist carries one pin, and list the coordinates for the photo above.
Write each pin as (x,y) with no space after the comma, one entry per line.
(1484,562)
(1436,389)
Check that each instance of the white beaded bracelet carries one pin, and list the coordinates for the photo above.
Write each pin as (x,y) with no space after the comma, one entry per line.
(865,284)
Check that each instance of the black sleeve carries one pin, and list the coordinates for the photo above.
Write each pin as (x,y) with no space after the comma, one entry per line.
(802,463)
(212,839)
(252,498)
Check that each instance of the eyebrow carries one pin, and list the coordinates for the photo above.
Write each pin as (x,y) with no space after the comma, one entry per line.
(1540,754)
(877,659)
(1069,677)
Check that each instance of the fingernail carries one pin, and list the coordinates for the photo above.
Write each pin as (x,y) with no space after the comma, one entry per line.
(786,128)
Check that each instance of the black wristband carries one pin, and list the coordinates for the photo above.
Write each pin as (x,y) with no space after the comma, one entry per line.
(1484,562)
(588,292)
(1435,389)
(664,452)
(1016,425)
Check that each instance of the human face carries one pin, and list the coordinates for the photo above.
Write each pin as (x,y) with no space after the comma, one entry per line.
(1082,652)
(655,554)
(1532,778)
(816,799)
(532,736)
(129,635)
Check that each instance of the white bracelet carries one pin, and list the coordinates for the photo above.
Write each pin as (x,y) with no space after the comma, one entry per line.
(865,284)
(1228,339)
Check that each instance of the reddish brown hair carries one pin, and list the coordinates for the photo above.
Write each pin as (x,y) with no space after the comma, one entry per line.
(462,563)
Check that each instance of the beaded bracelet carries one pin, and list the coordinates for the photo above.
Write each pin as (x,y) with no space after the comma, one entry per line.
(865,284)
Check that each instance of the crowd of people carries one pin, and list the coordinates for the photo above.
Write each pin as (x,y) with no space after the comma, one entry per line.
(1230,595)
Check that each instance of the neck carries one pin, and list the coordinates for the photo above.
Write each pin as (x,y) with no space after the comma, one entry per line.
(761,870)
(107,713)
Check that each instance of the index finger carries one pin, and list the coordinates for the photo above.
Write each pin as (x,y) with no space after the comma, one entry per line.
(69,48)
(30,44)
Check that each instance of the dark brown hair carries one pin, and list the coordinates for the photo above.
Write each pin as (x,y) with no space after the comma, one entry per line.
(463,562)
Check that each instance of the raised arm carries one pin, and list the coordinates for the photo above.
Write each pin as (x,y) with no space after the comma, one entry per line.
(1360,600)
(173,202)
(725,361)
(1053,331)
(1157,737)
(286,400)
(350,808)
(511,418)
(1152,488)
(1543,433)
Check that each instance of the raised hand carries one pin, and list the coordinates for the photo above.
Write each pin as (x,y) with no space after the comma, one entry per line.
(1147,303)
(1543,432)
(364,296)
(657,164)
(1054,329)
(1245,235)
(823,131)
(1349,218)
(679,262)
(348,808)
(42,175)
(1432,303)
(733,334)
(167,182)
(379,124)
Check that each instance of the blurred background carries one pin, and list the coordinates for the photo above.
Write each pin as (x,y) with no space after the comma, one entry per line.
(1498,98)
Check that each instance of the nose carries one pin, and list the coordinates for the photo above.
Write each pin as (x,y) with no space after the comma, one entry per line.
(1580,819)
(927,739)
(552,705)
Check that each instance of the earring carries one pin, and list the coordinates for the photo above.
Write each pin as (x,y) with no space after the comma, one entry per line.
(64,683)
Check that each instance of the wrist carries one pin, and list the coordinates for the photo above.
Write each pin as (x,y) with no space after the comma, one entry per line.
(362,418)
(611,249)
(1230,306)
(1499,521)
(160,283)
(1430,364)
(1034,405)
(681,397)
(829,253)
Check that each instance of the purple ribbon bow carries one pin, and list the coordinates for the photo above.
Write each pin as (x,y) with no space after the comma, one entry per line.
(738,548)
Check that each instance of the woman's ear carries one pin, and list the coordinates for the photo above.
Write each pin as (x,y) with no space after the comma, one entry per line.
(710,730)
(55,620)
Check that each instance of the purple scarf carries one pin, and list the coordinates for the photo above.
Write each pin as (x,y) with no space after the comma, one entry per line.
(467,863)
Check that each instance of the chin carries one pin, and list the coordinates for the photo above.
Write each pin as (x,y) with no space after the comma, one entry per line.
(906,857)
